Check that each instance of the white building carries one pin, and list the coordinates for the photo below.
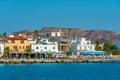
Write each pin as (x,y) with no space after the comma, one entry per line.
(1,49)
(31,40)
(53,34)
(82,45)
(47,48)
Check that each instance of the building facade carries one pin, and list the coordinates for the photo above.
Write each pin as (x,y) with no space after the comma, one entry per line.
(53,34)
(44,48)
(17,44)
(82,45)
(1,49)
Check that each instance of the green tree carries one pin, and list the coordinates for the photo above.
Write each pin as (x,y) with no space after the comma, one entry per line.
(116,52)
(97,43)
(6,51)
(36,32)
(113,47)
(4,34)
(107,46)
(69,53)
(29,51)
(97,47)
(49,55)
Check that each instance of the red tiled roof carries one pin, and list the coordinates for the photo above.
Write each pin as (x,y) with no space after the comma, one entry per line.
(16,38)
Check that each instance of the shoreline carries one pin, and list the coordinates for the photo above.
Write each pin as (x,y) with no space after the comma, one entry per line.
(30,61)
(83,59)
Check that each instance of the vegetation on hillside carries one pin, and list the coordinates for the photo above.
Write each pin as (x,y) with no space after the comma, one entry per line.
(36,32)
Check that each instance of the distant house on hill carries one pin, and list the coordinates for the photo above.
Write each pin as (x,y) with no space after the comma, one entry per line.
(53,34)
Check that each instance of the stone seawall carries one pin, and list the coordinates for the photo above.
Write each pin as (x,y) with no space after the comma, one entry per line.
(28,61)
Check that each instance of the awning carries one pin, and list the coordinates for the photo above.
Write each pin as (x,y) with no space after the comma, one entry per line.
(93,52)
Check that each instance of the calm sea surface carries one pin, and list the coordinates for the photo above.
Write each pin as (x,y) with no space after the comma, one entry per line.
(54,71)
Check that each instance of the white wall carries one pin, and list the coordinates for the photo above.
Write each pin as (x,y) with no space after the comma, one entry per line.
(85,47)
(44,48)
(1,49)
(82,45)
(53,34)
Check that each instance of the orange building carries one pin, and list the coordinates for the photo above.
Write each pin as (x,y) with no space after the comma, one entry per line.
(17,44)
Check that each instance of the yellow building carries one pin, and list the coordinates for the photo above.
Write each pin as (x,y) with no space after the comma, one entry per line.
(17,44)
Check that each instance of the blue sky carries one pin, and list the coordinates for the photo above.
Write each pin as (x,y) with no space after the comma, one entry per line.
(16,15)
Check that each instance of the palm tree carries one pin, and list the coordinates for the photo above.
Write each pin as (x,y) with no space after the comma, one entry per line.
(49,55)
(6,51)
(29,51)
(97,47)
(69,53)
(4,34)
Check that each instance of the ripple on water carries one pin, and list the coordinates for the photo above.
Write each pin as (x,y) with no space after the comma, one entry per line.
(54,71)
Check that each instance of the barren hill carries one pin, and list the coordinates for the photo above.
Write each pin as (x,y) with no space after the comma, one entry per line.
(93,35)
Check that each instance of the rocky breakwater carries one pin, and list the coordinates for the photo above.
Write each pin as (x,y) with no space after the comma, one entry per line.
(66,60)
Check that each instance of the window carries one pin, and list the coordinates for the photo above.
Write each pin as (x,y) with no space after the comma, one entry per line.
(45,47)
(20,47)
(15,48)
(37,47)
(88,43)
(22,41)
(44,40)
(12,41)
(55,34)
(53,47)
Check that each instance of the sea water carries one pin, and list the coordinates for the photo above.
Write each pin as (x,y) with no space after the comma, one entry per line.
(60,71)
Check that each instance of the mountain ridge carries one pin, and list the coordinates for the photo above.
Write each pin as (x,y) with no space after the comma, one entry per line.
(93,35)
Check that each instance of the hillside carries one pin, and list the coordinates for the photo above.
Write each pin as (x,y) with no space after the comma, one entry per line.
(93,35)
